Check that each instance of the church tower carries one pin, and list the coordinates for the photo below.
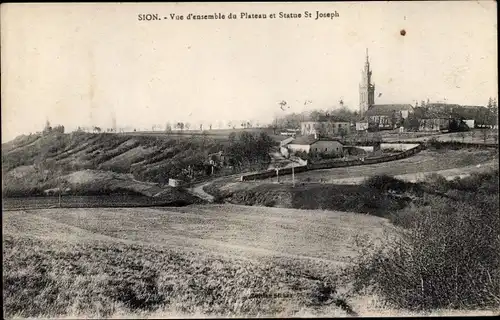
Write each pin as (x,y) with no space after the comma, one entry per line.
(366,88)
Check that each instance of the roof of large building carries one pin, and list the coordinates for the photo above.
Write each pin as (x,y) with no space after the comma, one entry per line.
(286,141)
(387,109)
(310,139)
(451,111)
(328,118)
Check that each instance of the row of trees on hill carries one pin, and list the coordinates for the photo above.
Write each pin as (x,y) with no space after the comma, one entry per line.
(169,127)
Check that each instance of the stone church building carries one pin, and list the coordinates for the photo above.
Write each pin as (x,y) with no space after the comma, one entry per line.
(381,116)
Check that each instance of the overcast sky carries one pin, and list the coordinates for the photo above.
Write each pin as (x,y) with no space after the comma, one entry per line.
(78,64)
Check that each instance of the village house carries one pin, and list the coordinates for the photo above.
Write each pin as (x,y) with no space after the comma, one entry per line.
(290,132)
(362,125)
(218,159)
(175,182)
(434,124)
(326,125)
(313,143)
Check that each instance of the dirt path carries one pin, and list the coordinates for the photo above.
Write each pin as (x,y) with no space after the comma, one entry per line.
(198,191)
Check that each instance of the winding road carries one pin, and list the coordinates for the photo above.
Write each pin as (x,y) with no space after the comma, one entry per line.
(198,191)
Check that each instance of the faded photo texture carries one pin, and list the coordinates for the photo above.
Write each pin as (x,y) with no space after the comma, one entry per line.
(177,160)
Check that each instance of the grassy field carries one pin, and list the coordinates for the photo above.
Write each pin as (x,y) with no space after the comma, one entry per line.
(196,261)
(215,260)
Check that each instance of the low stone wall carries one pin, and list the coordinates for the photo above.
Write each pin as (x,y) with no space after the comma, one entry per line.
(398,146)
(334,164)
(272,173)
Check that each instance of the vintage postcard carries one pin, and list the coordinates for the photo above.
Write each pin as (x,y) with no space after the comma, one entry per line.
(180,160)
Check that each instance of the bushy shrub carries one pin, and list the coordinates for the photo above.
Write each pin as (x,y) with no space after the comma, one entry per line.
(437,181)
(433,143)
(384,182)
(270,203)
(446,254)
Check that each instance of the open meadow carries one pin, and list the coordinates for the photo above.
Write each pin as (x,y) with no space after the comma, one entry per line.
(214,259)
(195,261)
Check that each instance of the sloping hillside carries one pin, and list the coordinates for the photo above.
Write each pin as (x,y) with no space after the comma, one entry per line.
(85,163)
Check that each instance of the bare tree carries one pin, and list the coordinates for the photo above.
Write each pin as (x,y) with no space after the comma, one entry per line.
(484,134)
(343,133)
(462,135)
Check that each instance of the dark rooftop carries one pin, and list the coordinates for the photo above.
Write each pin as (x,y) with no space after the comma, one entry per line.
(387,109)
(310,139)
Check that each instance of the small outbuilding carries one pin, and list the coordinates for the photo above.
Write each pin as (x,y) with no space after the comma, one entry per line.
(315,144)
(175,182)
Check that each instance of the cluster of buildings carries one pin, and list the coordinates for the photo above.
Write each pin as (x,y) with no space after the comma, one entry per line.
(322,134)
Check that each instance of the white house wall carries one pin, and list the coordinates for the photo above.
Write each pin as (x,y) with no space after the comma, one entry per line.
(327,147)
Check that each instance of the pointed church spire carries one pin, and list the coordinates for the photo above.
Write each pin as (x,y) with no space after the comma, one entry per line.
(366,88)
(367,63)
